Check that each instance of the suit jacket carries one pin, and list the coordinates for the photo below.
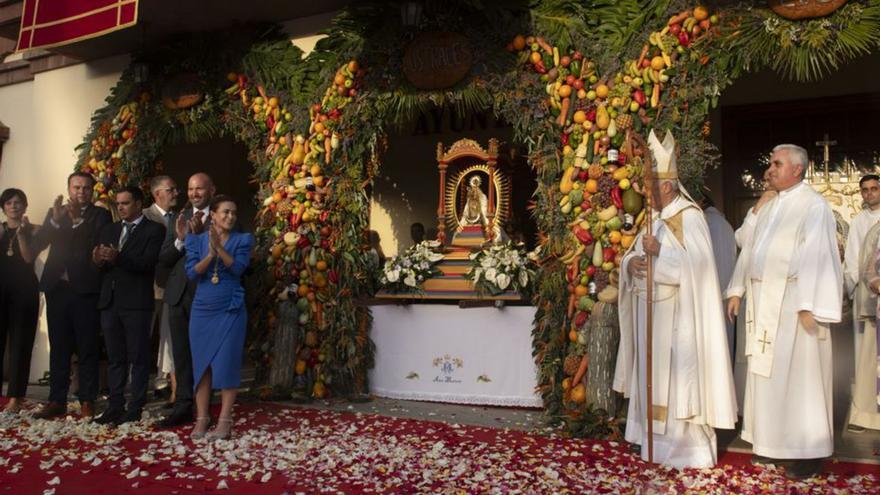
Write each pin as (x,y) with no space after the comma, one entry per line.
(162,271)
(128,281)
(174,260)
(72,250)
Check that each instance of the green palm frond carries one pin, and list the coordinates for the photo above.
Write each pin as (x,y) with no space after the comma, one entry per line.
(804,50)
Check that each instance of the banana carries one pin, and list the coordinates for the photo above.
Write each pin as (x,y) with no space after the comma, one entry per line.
(666,59)
(568,257)
(555,57)
(664,30)
(689,23)
(565,200)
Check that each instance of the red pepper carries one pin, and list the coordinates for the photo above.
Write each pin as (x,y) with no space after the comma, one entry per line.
(270,124)
(325,244)
(332,276)
(324,216)
(303,242)
(242,81)
(591,115)
(608,254)
(617,197)
(564,139)
(583,235)
(591,270)
(539,67)
(683,39)
(639,96)
(581,318)
(621,158)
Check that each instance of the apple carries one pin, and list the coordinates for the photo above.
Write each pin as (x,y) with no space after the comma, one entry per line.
(675,29)
(578,84)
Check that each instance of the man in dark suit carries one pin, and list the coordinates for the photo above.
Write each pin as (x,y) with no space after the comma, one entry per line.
(127,254)
(179,291)
(164,192)
(71,284)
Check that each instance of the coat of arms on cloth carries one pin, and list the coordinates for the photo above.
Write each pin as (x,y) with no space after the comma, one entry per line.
(447,365)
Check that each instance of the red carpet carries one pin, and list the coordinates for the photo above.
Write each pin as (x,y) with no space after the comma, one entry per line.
(280,449)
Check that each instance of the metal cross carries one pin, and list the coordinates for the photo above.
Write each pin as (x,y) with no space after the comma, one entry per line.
(826,143)
(764,342)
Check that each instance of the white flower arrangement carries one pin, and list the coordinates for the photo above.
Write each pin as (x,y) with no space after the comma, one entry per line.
(407,272)
(501,268)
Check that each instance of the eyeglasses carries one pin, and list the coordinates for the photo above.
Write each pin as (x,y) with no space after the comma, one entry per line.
(167,189)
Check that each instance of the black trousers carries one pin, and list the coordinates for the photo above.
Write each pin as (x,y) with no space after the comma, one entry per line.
(127,337)
(19,310)
(73,327)
(178,320)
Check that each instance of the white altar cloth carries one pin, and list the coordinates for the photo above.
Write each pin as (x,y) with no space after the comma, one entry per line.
(443,353)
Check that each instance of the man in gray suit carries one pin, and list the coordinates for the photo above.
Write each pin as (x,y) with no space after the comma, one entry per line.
(179,291)
(164,192)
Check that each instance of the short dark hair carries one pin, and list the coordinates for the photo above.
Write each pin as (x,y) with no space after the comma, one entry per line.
(83,175)
(866,178)
(221,198)
(12,193)
(136,193)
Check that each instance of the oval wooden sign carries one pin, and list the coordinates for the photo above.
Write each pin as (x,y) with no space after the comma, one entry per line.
(805,9)
(437,60)
(182,91)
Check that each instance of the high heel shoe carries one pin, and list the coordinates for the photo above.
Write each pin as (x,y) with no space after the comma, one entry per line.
(200,429)
(222,431)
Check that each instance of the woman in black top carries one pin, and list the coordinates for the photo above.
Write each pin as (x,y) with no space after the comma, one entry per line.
(19,295)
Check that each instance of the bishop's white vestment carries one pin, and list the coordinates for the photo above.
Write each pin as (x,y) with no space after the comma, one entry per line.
(692,381)
(789,263)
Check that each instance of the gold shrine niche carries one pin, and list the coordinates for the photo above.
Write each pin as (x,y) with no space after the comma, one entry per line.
(473,205)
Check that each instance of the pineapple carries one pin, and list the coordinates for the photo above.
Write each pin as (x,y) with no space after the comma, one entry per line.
(624,121)
(571,364)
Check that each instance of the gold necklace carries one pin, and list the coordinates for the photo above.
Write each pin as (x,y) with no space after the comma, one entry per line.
(9,251)
(215,279)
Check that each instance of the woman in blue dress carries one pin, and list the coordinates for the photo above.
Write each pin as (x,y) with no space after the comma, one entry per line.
(215,260)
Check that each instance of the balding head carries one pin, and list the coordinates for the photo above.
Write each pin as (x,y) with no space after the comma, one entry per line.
(200,190)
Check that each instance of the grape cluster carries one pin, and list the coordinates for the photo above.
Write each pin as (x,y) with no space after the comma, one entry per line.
(601,279)
(600,200)
(606,184)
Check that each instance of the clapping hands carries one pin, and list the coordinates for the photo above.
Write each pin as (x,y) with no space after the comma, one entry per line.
(104,254)
(215,244)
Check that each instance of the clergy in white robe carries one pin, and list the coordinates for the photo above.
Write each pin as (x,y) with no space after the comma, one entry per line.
(869,187)
(724,249)
(692,379)
(790,273)
(864,410)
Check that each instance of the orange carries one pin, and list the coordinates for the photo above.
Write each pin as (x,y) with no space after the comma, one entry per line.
(591,186)
(353,66)
(319,128)
(519,43)
(601,91)
(321,265)
(579,117)
(580,290)
(657,63)
(614,237)
(303,290)
(276,197)
(535,57)
(701,13)
(566,384)
(232,77)
(276,251)
(572,336)
(564,91)
(579,393)
(300,367)
(626,241)
(315,170)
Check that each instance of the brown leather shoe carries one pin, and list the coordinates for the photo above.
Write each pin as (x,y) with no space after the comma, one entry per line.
(87,409)
(51,410)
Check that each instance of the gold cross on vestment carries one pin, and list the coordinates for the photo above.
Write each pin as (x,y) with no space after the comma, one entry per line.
(764,342)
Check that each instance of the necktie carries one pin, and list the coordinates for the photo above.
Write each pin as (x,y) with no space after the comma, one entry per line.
(126,231)
(167,219)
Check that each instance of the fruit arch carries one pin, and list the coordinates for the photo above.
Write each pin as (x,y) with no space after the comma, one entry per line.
(576,91)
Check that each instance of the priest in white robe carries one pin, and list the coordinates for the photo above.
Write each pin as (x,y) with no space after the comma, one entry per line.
(790,273)
(864,410)
(692,381)
(869,187)
(724,250)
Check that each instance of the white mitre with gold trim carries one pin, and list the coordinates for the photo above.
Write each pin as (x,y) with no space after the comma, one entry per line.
(665,166)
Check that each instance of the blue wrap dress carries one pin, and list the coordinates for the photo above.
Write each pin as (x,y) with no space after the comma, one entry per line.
(218,320)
